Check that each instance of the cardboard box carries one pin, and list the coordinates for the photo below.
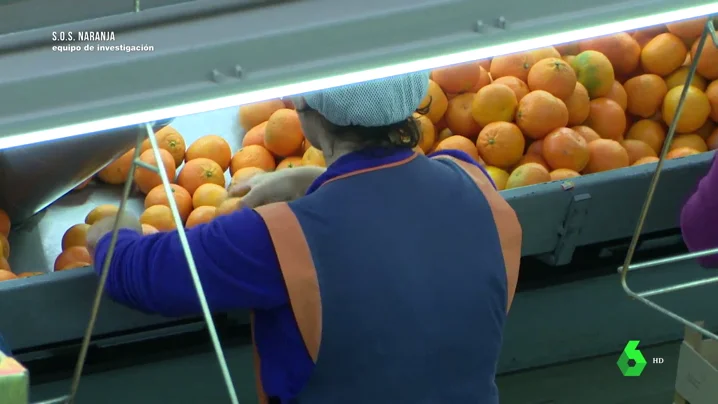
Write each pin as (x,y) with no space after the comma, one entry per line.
(14,381)
(697,376)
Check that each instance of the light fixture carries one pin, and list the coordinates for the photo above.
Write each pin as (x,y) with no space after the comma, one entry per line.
(354,77)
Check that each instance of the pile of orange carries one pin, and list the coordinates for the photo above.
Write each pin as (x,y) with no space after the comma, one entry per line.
(579,108)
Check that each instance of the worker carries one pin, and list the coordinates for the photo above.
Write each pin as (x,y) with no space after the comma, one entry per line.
(387,281)
(699,217)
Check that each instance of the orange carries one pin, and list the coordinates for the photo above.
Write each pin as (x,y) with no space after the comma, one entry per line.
(696,110)
(255,136)
(158,196)
(645,160)
(146,179)
(4,264)
(644,35)
(313,157)
(212,147)
(663,54)
(6,275)
(201,215)
(209,195)
(712,94)
(618,94)
(712,140)
(147,229)
(444,134)
(76,254)
(435,101)
(568,58)
(290,162)
(588,134)
(485,63)
(607,118)
(519,88)
(116,172)
(706,130)
(159,217)
(427,131)
(459,117)
(645,94)
(83,185)
(439,126)
(498,176)
(528,174)
(564,148)
(577,105)
(484,80)
(283,134)
(75,236)
(605,155)
(681,152)
(29,274)
(101,212)
(168,139)
(288,103)
(708,62)
(228,206)
(200,171)
(637,150)
(545,53)
(533,158)
(679,77)
(690,140)
(494,103)
(244,174)
(563,174)
(539,112)
(536,147)
(648,131)
(457,78)
(595,72)
(622,50)
(554,76)
(568,49)
(515,64)
(501,144)
(73,265)
(459,143)
(688,29)
(5,223)
(4,246)
(251,115)
(252,156)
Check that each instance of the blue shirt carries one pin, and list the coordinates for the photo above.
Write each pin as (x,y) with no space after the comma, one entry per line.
(238,268)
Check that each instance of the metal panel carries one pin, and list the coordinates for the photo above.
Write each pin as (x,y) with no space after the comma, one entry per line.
(270,46)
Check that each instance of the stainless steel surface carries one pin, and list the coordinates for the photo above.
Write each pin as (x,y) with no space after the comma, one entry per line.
(34,176)
(333,37)
(54,308)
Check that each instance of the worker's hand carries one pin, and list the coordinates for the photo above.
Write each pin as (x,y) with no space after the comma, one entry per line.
(279,186)
(104,226)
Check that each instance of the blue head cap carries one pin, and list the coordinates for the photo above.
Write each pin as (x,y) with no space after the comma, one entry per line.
(371,103)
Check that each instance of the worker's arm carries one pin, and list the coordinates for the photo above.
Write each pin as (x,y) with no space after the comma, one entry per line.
(699,217)
(458,154)
(234,256)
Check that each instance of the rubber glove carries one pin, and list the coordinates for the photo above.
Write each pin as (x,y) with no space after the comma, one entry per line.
(103,226)
(279,186)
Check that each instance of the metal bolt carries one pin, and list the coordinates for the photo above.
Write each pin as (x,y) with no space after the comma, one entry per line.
(217,77)
(479,26)
(501,23)
(238,72)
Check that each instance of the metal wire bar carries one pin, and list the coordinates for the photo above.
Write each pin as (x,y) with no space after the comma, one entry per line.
(709,29)
(103,278)
(671,260)
(193,270)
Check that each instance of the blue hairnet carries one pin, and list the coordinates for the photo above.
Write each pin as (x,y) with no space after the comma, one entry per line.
(371,103)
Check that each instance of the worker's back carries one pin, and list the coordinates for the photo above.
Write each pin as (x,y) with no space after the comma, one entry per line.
(413,286)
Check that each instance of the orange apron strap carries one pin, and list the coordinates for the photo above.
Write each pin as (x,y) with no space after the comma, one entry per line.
(298,270)
(261,395)
(507,223)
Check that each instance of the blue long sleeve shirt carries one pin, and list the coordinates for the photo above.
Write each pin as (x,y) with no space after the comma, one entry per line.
(238,268)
